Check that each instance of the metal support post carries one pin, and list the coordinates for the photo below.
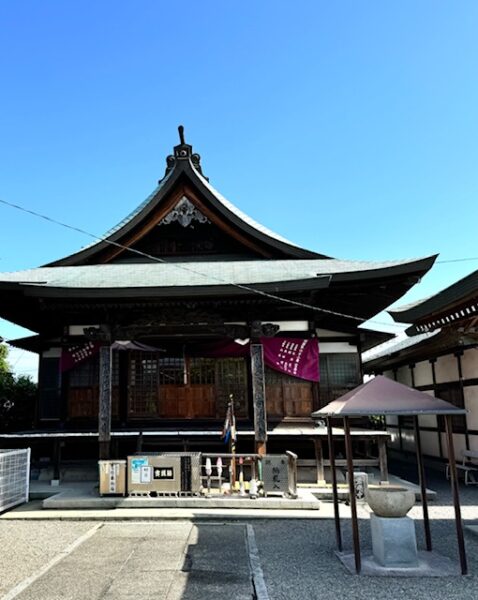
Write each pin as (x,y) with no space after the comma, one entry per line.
(423,485)
(338,533)
(456,495)
(353,500)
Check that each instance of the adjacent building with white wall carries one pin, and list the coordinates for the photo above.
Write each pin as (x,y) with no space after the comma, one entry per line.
(440,357)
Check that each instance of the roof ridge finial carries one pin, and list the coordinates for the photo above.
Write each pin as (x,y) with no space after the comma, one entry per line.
(181,134)
(183,152)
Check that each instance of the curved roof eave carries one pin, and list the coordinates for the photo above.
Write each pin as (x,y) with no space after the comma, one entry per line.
(236,215)
(213,273)
(224,207)
(460,290)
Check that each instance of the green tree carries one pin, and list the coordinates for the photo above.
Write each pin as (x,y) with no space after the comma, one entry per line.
(3,358)
(17,397)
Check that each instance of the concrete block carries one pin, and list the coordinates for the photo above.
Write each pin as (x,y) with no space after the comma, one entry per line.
(394,541)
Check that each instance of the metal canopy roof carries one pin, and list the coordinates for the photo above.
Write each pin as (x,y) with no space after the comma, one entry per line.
(383,396)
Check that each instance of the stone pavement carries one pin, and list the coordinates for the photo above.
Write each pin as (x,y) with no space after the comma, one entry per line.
(170,561)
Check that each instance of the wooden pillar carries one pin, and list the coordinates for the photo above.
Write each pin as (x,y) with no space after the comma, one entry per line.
(319,461)
(314,384)
(104,413)
(139,443)
(423,485)
(432,362)
(411,366)
(259,397)
(123,368)
(57,445)
(462,394)
(456,496)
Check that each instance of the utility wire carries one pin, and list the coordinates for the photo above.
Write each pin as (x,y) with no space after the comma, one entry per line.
(455,260)
(191,270)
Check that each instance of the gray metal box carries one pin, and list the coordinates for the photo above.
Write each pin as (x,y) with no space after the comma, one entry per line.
(154,473)
(190,470)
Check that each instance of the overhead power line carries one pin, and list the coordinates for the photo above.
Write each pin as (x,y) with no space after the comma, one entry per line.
(190,269)
(455,260)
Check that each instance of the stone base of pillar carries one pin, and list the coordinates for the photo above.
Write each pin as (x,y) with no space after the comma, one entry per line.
(394,542)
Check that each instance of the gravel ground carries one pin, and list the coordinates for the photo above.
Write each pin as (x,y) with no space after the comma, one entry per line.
(28,545)
(299,563)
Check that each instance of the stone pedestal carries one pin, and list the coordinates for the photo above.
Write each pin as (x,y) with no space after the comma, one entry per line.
(394,542)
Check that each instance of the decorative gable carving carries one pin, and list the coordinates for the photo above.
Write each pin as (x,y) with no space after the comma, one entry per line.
(184,213)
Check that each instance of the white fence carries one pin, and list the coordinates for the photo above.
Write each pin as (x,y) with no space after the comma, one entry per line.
(14,477)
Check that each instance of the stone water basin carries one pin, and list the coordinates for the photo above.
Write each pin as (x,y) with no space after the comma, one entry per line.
(390,501)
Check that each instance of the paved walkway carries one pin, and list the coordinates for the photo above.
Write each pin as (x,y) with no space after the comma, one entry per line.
(140,560)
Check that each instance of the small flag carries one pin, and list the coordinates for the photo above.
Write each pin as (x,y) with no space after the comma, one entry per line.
(226,430)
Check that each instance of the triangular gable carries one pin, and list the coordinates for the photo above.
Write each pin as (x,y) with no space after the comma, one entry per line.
(186,202)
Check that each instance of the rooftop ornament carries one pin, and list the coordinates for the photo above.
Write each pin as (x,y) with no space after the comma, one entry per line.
(385,397)
(183,151)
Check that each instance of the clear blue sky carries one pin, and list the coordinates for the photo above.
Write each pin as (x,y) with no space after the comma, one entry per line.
(350,127)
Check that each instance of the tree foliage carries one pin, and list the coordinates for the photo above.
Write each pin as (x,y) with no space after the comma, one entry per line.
(17,397)
(3,358)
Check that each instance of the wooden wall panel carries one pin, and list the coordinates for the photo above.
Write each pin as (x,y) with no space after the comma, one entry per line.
(289,399)
(274,400)
(83,402)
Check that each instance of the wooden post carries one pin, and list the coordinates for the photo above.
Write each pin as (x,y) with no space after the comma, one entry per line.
(432,362)
(382,458)
(314,384)
(456,496)
(259,397)
(319,461)
(56,459)
(353,500)
(423,485)
(232,443)
(104,414)
(123,367)
(338,533)
(139,443)
(458,355)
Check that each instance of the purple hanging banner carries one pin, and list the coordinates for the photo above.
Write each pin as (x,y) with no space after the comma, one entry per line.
(77,354)
(294,356)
